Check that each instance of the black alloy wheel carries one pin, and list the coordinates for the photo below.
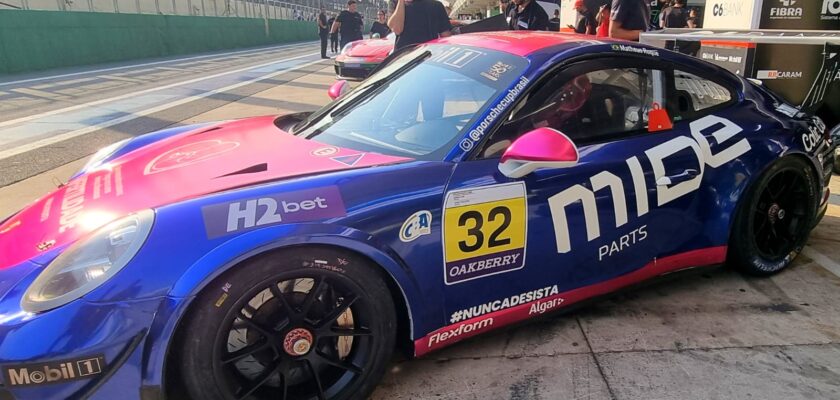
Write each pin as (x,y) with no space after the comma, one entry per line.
(775,218)
(298,328)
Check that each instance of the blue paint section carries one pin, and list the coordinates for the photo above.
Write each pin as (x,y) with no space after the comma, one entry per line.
(378,205)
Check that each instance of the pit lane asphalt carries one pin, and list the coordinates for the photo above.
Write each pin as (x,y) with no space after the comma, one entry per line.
(706,335)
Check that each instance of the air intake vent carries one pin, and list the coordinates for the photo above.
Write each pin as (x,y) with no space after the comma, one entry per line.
(250,170)
(215,128)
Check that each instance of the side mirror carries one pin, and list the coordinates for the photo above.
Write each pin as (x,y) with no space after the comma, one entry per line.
(375,36)
(338,89)
(539,148)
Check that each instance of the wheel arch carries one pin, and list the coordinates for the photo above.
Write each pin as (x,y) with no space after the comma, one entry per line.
(748,184)
(394,272)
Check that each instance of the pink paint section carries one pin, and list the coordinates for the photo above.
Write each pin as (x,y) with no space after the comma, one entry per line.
(542,144)
(454,333)
(520,43)
(208,160)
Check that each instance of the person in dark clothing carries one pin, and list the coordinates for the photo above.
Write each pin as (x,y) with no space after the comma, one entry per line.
(505,7)
(675,16)
(528,16)
(333,36)
(323,31)
(586,24)
(629,18)
(554,23)
(418,21)
(380,26)
(348,24)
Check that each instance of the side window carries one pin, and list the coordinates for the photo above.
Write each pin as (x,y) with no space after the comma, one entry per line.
(593,105)
(695,94)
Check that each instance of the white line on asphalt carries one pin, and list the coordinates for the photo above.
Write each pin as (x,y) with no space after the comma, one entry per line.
(823,260)
(149,63)
(89,129)
(27,147)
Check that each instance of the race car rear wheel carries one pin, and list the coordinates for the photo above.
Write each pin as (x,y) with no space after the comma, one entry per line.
(298,324)
(775,219)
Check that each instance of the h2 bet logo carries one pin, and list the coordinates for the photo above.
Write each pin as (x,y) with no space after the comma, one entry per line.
(728,148)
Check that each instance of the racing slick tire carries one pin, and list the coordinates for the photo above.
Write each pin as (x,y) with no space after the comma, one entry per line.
(304,323)
(775,219)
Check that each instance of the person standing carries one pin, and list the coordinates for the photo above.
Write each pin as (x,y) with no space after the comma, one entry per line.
(333,36)
(675,16)
(603,19)
(554,23)
(380,26)
(586,24)
(348,24)
(418,21)
(528,15)
(323,31)
(629,18)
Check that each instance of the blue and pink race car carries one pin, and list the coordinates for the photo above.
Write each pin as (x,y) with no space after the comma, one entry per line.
(470,183)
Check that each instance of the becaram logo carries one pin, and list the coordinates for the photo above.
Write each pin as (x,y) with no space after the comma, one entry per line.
(612,186)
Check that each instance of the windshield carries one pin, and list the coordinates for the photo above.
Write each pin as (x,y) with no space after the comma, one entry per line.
(418,105)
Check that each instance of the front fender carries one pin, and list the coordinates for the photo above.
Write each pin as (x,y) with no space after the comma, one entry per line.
(240,248)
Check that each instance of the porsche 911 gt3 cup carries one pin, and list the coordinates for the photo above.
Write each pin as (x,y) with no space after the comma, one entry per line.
(472,182)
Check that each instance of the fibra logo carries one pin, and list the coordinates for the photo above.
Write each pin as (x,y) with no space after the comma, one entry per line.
(786,12)
(418,224)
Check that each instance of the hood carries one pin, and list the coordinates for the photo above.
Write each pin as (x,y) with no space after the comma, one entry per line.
(371,48)
(194,163)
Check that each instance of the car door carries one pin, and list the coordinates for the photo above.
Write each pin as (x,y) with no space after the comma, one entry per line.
(513,240)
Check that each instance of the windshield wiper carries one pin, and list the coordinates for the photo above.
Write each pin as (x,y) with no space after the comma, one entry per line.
(374,85)
(313,118)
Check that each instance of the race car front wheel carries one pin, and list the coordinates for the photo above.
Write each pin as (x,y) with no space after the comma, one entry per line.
(297,324)
(775,218)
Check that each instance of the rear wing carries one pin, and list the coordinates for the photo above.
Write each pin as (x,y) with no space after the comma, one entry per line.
(802,67)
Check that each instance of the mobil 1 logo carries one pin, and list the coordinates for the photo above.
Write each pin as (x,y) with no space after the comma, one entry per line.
(53,372)
(301,206)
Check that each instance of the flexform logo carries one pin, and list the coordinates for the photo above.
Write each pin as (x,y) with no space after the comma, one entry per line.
(54,372)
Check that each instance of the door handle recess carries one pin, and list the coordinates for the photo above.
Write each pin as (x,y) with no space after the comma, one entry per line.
(674,179)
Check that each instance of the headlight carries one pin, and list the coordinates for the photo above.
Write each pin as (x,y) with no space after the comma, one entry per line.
(88,263)
(347,48)
(103,154)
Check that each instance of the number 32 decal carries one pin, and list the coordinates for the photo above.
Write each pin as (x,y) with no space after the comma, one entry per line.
(484,231)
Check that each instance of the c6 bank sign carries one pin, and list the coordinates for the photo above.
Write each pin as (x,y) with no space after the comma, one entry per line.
(729,14)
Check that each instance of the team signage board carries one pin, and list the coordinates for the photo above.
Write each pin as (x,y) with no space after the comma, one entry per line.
(801,14)
(730,14)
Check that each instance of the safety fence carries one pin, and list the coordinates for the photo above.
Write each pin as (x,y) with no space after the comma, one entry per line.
(306,10)
(37,40)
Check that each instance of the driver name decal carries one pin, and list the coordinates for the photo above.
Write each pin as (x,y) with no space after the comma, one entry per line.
(305,205)
(484,231)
